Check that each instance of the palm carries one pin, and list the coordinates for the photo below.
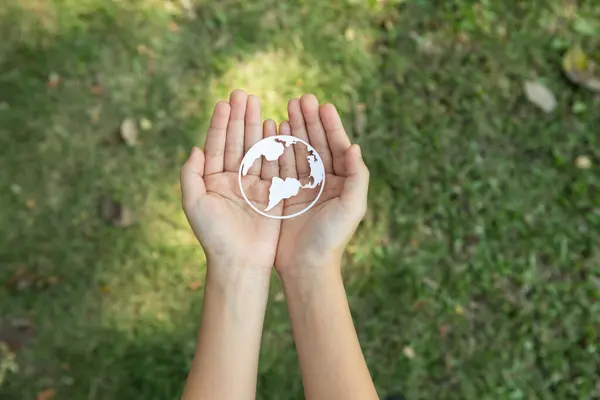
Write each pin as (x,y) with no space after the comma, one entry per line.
(217,211)
(224,224)
(231,225)
(323,230)
(315,230)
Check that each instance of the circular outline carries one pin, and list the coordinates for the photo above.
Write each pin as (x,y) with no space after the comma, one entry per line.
(282,216)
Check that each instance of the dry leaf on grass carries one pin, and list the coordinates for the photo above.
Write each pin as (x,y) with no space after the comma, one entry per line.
(46,394)
(21,279)
(583,162)
(443,329)
(195,285)
(30,203)
(97,90)
(17,333)
(116,213)
(408,352)
(580,69)
(129,132)
(53,80)
(540,95)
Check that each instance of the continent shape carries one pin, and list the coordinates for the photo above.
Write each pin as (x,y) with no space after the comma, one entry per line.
(282,189)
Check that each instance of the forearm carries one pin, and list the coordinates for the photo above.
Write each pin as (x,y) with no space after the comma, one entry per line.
(226,360)
(332,363)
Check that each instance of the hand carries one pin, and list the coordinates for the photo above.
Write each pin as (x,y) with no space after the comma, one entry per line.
(316,239)
(231,233)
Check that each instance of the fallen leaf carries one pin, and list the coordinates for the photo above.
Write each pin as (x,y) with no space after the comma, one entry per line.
(173,27)
(408,352)
(97,90)
(580,69)
(459,310)
(18,333)
(443,329)
(129,132)
(116,213)
(21,279)
(583,162)
(53,80)
(30,204)
(195,285)
(46,394)
(145,124)
(360,118)
(419,304)
(540,95)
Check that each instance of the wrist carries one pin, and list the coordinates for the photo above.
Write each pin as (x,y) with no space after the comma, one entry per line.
(311,272)
(237,276)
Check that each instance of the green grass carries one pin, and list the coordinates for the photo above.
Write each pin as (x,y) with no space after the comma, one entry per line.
(480,251)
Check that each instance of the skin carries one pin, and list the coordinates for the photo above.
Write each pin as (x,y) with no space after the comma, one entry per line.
(242,246)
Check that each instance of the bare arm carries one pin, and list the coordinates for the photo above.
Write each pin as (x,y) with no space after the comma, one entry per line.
(226,360)
(333,366)
(240,247)
(309,252)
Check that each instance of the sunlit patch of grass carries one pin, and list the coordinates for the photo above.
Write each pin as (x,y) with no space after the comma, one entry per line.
(274,76)
(157,284)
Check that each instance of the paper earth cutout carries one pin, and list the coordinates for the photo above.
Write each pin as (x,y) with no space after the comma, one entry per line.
(272,148)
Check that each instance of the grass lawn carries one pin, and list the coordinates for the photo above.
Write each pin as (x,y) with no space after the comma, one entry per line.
(476,274)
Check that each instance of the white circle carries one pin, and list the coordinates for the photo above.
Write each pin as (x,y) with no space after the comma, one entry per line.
(284,138)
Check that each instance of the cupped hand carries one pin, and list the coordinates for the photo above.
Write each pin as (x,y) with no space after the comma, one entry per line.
(231,233)
(312,241)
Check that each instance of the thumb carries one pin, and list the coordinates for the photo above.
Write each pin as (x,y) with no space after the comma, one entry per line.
(192,182)
(354,194)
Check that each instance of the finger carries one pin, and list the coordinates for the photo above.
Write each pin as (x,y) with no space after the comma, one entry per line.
(287,162)
(269,169)
(316,132)
(354,193)
(214,145)
(337,138)
(253,131)
(191,179)
(298,129)
(234,145)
